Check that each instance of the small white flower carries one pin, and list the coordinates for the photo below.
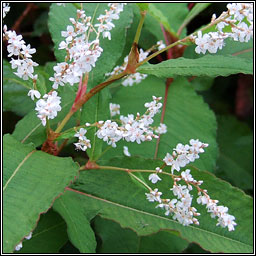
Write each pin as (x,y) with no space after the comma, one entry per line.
(6,9)
(161,129)
(154,195)
(18,247)
(126,151)
(33,94)
(154,178)
(114,109)
(80,134)
(29,236)
(168,159)
(160,45)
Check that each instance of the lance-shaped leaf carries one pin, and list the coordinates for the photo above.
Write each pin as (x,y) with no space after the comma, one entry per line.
(31,181)
(209,65)
(114,196)
(171,15)
(197,8)
(48,237)
(78,222)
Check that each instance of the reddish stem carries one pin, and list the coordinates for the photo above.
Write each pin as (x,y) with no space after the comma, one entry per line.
(29,7)
(169,52)
(81,90)
(191,5)
(167,85)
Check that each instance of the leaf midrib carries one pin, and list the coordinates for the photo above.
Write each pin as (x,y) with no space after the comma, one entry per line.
(18,168)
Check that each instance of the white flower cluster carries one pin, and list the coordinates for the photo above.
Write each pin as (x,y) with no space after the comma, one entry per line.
(19,246)
(106,24)
(184,154)
(48,106)
(82,53)
(131,128)
(237,16)
(6,9)
(221,212)
(181,207)
(132,78)
(83,142)
(17,47)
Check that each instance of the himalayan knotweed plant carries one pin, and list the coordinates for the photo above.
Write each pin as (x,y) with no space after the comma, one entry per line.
(111,119)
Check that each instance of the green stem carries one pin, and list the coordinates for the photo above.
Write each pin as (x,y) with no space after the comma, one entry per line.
(64,121)
(102,167)
(139,28)
(140,181)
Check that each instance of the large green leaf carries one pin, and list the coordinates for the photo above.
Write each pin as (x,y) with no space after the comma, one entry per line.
(209,65)
(30,128)
(197,8)
(79,230)
(186,117)
(48,237)
(115,239)
(235,162)
(115,196)
(112,49)
(31,182)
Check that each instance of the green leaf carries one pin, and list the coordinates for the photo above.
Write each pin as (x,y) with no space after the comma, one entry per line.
(31,182)
(96,109)
(155,12)
(175,14)
(79,230)
(40,25)
(125,203)
(123,240)
(143,6)
(15,92)
(235,48)
(112,49)
(162,242)
(209,65)
(30,128)
(202,83)
(197,8)
(48,237)
(186,117)
(235,162)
